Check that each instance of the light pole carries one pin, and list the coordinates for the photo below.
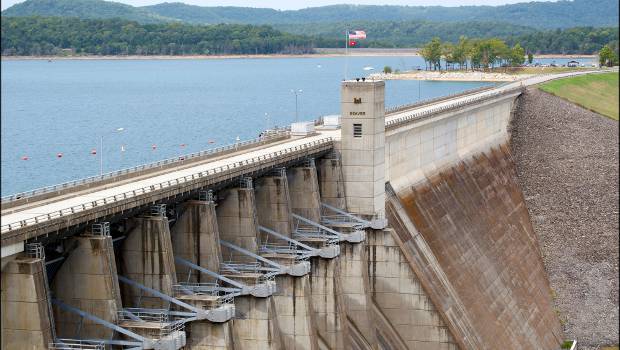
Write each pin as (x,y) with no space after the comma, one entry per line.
(296,92)
(419,84)
(266,121)
(101,150)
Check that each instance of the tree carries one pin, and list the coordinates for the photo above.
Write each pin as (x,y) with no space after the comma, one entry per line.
(447,51)
(517,55)
(530,58)
(431,52)
(606,56)
(387,69)
(460,51)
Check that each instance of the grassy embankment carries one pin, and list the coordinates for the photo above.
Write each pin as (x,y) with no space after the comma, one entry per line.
(596,92)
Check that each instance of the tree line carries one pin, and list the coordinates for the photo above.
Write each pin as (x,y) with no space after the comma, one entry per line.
(52,35)
(471,53)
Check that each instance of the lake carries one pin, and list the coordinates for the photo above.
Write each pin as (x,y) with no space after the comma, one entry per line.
(65,106)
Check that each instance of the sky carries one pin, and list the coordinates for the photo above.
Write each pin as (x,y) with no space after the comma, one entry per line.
(298,4)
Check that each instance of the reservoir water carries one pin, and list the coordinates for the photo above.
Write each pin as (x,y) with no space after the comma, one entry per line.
(54,113)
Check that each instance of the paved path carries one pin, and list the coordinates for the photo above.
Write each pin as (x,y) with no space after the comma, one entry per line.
(524,82)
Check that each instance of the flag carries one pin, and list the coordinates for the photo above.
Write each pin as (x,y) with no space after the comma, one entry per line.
(352,43)
(357,34)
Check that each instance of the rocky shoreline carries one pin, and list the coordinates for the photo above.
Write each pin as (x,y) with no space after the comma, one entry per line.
(567,165)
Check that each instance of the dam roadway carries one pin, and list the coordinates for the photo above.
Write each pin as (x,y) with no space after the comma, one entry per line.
(19,218)
(351,235)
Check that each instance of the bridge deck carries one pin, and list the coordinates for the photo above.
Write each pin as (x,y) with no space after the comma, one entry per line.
(30,212)
(33,210)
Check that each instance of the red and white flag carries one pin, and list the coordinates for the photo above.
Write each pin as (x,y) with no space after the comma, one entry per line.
(357,34)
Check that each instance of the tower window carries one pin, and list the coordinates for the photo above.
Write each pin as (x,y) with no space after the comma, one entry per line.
(357,130)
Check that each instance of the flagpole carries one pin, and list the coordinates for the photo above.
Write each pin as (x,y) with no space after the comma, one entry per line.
(346,55)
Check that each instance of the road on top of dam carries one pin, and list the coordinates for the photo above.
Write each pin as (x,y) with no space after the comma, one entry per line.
(45,207)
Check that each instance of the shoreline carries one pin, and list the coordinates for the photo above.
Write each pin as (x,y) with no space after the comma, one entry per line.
(352,53)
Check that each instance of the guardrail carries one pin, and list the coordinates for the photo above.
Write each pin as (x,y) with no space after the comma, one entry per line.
(147,189)
(183,159)
(414,116)
(400,108)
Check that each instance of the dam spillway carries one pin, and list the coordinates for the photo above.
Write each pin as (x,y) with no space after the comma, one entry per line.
(398,231)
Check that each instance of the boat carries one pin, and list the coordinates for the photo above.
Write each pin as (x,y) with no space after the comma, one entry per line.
(368,68)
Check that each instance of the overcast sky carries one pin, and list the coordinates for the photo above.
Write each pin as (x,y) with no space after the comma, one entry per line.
(298,4)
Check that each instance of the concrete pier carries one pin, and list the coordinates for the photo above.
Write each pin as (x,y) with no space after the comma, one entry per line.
(331,181)
(87,280)
(26,323)
(304,191)
(146,257)
(236,219)
(292,299)
(273,203)
(195,238)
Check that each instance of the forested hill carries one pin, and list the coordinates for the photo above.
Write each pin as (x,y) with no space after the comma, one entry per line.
(554,14)
(54,35)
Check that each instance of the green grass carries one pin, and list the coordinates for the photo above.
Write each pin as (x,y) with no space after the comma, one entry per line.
(596,92)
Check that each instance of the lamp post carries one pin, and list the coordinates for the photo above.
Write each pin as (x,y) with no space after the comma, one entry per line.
(101,150)
(419,84)
(296,92)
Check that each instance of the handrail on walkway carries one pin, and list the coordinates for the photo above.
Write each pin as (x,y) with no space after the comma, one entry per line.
(147,189)
(178,159)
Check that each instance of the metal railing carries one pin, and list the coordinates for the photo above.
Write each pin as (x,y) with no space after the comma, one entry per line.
(400,108)
(101,229)
(423,114)
(75,344)
(175,160)
(240,268)
(35,250)
(166,184)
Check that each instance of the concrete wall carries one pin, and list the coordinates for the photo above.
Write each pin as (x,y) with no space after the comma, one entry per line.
(236,220)
(255,325)
(294,313)
(210,336)
(420,149)
(398,294)
(26,321)
(146,257)
(479,237)
(195,237)
(88,281)
(363,157)
(355,286)
(328,303)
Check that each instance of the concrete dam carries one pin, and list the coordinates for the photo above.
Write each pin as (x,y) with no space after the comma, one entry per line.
(388,229)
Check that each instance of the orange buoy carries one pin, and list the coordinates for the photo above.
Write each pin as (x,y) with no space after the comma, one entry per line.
(93,151)
(25,158)
(59,155)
